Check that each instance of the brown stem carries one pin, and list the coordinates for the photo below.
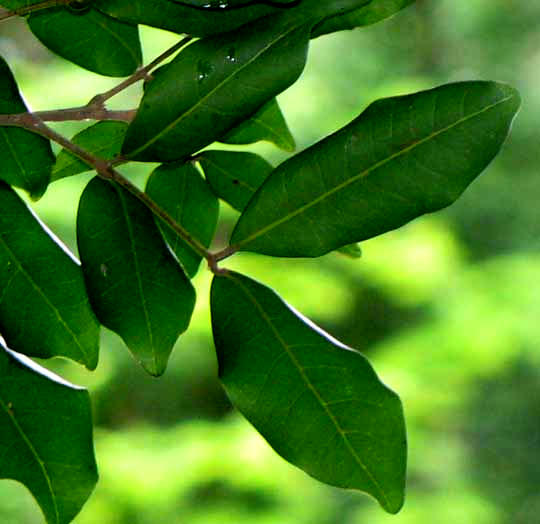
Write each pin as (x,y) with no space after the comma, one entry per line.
(99,100)
(75,113)
(22,11)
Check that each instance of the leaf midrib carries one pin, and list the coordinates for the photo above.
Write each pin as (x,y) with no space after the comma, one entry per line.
(311,387)
(364,174)
(34,454)
(131,238)
(223,83)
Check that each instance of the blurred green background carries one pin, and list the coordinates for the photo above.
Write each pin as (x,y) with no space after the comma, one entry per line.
(446,308)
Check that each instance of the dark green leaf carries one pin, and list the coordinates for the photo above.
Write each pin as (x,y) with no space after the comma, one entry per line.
(103,139)
(183,193)
(210,87)
(372,13)
(89,39)
(351,250)
(212,5)
(44,309)
(266,124)
(179,18)
(45,437)
(136,287)
(403,157)
(234,176)
(26,158)
(318,403)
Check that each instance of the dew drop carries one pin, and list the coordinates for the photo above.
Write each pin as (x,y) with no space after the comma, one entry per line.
(231,55)
(204,70)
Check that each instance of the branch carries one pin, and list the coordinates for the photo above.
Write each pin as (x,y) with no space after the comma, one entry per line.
(75,113)
(22,11)
(33,123)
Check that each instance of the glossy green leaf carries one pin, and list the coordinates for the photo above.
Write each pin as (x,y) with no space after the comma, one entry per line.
(213,5)
(351,250)
(401,158)
(183,193)
(318,403)
(103,139)
(179,18)
(25,158)
(267,124)
(89,39)
(44,309)
(213,85)
(372,13)
(136,287)
(234,176)
(45,436)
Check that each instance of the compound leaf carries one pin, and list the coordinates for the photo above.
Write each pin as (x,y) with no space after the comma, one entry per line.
(267,124)
(103,139)
(318,403)
(89,39)
(25,157)
(234,176)
(136,287)
(183,193)
(402,157)
(45,436)
(44,308)
(213,85)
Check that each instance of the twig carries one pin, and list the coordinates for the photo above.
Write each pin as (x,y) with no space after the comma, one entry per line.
(22,11)
(99,100)
(75,113)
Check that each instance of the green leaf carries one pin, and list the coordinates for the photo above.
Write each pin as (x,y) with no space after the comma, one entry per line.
(214,5)
(179,18)
(234,176)
(136,287)
(183,193)
(44,309)
(45,436)
(208,88)
(372,13)
(351,250)
(89,39)
(103,139)
(401,158)
(318,403)
(25,157)
(267,124)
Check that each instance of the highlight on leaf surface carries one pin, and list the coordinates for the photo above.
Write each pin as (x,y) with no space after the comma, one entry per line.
(45,436)
(401,158)
(318,403)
